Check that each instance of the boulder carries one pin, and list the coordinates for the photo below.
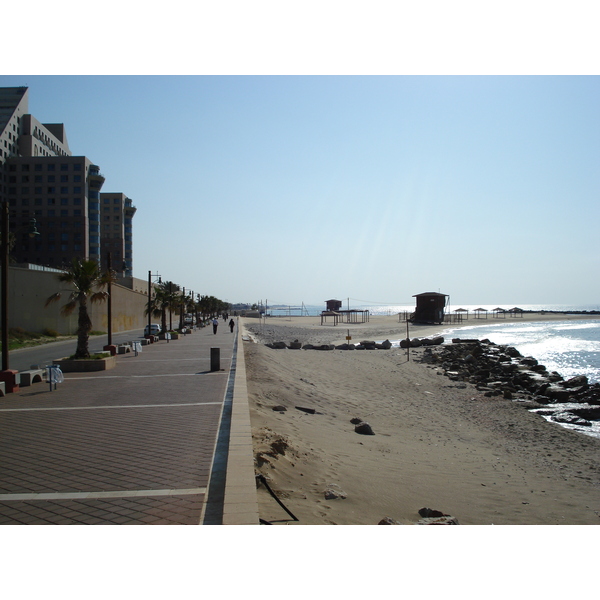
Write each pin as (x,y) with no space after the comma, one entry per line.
(570,418)
(388,521)
(295,345)
(578,381)
(334,492)
(278,345)
(279,408)
(364,428)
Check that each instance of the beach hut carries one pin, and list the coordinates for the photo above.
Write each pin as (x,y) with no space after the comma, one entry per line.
(430,308)
(516,312)
(497,312)
(478,312)
(333,305)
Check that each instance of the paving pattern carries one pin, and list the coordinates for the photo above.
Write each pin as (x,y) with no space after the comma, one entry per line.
(131,445)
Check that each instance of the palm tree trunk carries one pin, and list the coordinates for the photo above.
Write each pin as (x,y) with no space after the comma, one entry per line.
(84,326)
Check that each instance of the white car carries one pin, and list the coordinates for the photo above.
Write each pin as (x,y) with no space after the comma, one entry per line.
(154,329)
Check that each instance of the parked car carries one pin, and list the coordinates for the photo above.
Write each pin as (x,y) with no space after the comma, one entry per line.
(154,329)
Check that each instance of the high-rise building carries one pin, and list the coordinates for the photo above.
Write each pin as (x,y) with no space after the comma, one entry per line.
(40,179)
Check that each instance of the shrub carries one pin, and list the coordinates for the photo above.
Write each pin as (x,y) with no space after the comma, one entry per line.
(48,332)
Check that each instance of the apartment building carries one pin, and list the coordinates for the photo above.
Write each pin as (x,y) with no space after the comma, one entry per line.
(41,179)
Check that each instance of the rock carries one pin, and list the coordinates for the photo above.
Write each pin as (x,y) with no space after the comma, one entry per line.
(570,418)
(333,492)
(279,408)
(308,347)
(447,520)
(368,345)
(578,381)
(278,345)
(325,347)
(557,394)
(430,512)
(386,345)
(295,345)
(416,343)
(388,521)
(364,428)
(404,343)
(310,411)
(355,421)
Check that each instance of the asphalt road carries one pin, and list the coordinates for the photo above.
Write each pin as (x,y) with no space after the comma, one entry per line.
(23,359)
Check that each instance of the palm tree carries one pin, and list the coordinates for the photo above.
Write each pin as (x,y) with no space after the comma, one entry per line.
(87,279)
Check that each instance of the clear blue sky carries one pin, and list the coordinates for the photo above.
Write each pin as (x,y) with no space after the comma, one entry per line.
(300,189)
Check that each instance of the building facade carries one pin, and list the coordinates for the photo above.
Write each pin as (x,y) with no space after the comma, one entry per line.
(40,179)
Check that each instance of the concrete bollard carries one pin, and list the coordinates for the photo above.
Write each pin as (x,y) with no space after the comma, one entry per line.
(215,359)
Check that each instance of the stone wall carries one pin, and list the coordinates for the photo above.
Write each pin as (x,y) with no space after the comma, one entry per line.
(29,289)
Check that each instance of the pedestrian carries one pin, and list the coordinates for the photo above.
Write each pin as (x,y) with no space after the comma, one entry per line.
(231,325)
(215,325)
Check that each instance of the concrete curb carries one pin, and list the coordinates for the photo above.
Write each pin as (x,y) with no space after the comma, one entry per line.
(240,505)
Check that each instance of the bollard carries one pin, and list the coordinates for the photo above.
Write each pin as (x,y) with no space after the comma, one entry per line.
(215,359)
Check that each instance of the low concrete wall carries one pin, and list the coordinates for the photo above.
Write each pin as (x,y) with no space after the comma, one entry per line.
(29,289)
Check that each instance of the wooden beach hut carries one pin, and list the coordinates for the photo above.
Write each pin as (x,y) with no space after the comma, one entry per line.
(497,312)
(430,308)
(516,312)
(333,305)
(478,312)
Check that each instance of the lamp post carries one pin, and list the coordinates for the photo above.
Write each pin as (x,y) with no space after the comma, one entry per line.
(9,377)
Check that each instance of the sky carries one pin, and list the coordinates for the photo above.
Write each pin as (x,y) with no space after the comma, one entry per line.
(297,188)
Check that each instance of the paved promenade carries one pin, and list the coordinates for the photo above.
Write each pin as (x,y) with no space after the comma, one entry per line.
(159,439)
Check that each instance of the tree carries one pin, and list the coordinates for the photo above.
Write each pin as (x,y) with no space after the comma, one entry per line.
(87,279)
(165,299)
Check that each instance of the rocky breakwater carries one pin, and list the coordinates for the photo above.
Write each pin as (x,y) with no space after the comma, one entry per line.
(499,370)
(364,345)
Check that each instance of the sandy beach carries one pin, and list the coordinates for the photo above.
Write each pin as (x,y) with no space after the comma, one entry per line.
(437,443)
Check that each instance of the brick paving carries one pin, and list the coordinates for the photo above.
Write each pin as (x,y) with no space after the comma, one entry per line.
(131,445)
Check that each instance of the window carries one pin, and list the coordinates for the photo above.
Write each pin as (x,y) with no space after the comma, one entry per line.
(37,167)
(76,178)
(51,167)
(64,167)
(64,201)
(51,201)
(38,178)
(77,201)
(64,237)
(51,190)
(77,167)
(51,213)
(77,189)
(77,212)
(64,212)
(64,178)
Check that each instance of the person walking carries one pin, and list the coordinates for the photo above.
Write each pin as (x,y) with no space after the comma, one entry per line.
(215,325)
(231,325)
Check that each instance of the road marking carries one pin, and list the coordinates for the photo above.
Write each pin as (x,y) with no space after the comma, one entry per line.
(100,495)
(114,406)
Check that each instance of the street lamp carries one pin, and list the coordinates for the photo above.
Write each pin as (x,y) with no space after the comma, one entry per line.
(8,376)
